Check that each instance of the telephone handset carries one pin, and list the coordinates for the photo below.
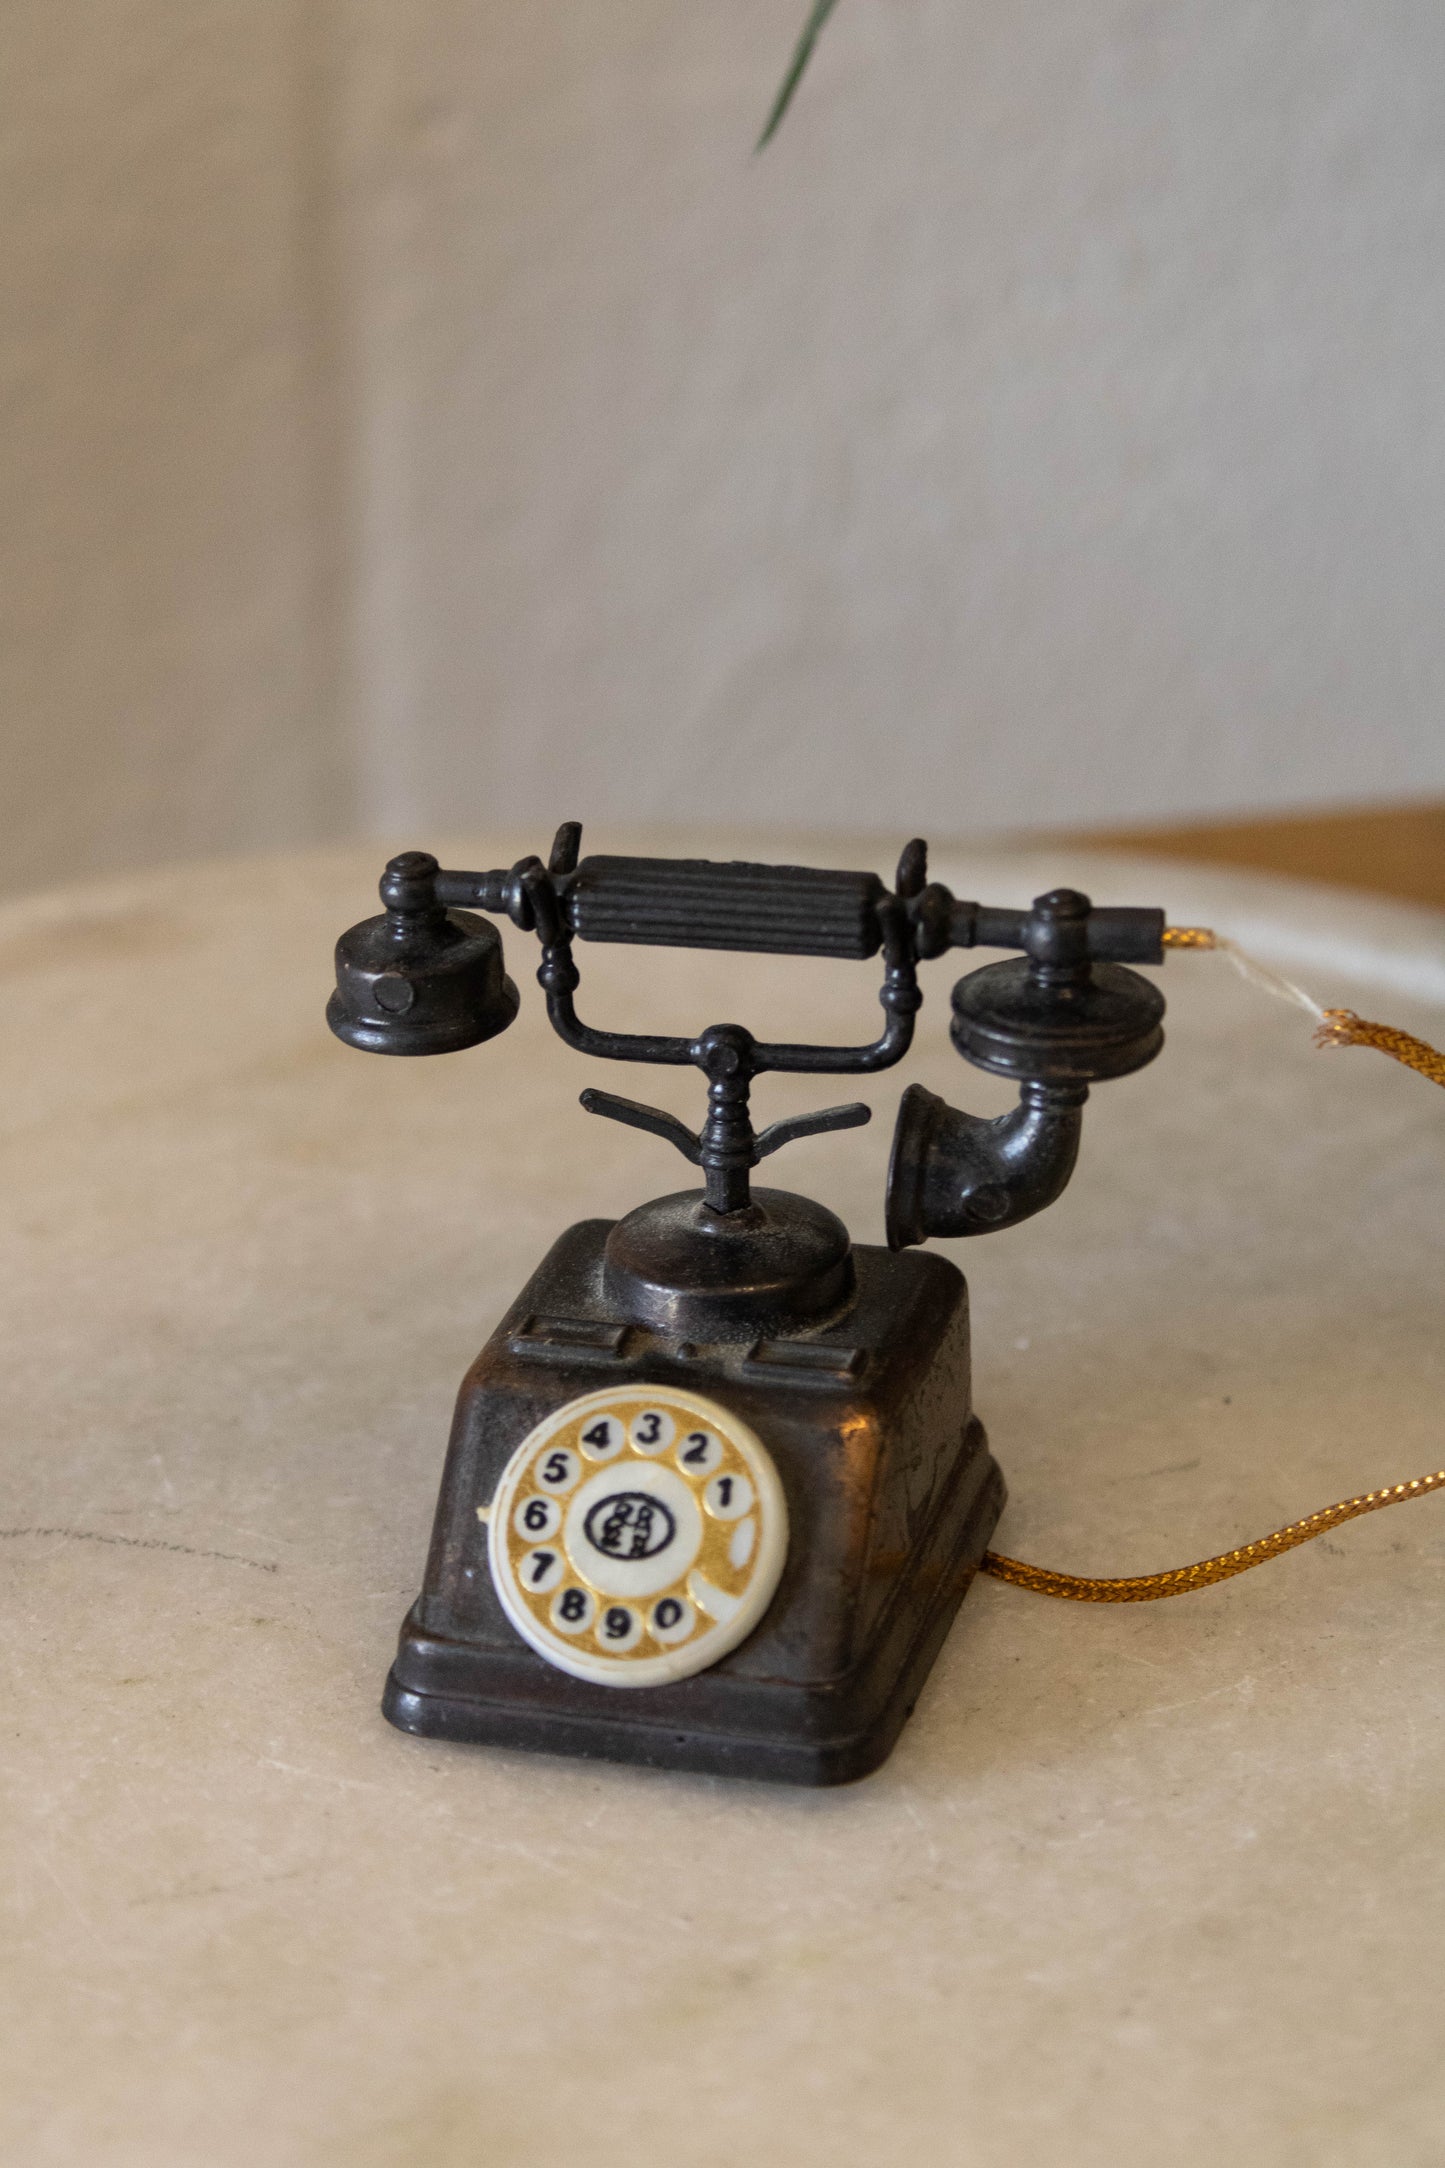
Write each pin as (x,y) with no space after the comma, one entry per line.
(715,1453)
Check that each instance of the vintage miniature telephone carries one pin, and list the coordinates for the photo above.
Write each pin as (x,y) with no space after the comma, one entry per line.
(715,1455)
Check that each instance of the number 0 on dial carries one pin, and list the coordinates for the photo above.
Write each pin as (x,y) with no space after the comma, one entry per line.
(637,1535)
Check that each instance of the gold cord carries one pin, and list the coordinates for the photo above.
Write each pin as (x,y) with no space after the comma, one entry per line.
(1340,1027)
(1337,1027)
(1146,1587)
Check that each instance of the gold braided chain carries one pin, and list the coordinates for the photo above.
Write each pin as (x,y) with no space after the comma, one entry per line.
(1336,1027)
(1146,1587)
(1340,1027)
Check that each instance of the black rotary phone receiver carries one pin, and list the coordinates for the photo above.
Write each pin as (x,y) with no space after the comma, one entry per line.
(426,977)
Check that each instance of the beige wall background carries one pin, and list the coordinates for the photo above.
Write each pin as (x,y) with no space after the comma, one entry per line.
(431,414)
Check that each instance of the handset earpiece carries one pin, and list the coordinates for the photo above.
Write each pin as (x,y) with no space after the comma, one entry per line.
(419,979)
(1061,1017)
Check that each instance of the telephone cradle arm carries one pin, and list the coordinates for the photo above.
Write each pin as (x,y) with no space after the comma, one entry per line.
(427,977)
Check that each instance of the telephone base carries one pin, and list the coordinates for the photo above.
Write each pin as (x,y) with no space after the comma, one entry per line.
(891,1494)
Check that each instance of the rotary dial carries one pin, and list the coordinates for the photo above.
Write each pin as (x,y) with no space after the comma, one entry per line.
(637,1535)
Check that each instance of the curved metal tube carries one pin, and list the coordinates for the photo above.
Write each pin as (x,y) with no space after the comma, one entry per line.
(963,1174)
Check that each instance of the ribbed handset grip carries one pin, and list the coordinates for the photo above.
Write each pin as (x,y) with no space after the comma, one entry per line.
(699,903)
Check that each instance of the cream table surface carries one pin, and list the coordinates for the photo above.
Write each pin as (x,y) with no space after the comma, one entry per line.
(1158,1884)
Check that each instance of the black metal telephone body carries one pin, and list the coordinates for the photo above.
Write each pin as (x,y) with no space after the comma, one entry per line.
(715,1453)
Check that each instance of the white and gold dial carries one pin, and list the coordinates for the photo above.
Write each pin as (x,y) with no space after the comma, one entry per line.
(637,1535)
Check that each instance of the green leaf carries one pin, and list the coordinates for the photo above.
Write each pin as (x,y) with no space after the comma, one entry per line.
(802,54)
